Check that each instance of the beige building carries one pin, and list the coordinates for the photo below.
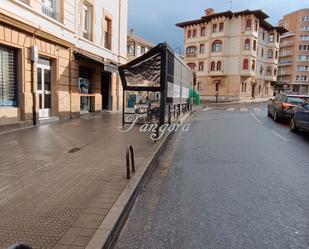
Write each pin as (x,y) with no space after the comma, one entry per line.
(232,53)
(137,46)
(294,52)
(58,58)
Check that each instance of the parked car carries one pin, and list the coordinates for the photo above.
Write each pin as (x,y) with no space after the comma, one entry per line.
(300,117)
(281,106)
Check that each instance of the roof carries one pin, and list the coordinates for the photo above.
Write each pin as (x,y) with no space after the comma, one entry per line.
(229,14)
(136,38)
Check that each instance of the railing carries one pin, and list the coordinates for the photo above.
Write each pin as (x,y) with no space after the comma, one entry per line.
(130,153)
(191,55)
(285,62)
(50,12)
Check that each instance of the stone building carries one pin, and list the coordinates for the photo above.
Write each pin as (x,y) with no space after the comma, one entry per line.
(294,52)
(58,58)
(232,53)
(137,46)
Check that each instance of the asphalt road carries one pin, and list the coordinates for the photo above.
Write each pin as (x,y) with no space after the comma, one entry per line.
(237,180)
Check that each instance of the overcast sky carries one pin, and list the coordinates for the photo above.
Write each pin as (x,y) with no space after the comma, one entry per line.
(155,19)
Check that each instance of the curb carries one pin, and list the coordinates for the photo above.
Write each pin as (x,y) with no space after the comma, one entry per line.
(108,231)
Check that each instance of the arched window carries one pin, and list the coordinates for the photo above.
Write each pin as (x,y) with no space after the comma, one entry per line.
(254,45)
(270,53)
(189,34)
(217,46)
(191,50)
(245,64)
(212,66)
(247,44)
(192,66)
(219,65)
(248,24)
(268,71)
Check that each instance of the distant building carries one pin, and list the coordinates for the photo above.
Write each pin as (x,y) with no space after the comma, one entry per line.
(233,53)
(294,52)
(137,46)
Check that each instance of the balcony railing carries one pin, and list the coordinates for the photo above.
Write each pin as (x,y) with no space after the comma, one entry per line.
(285,62)
(282,73)
(50,12)
(191,55)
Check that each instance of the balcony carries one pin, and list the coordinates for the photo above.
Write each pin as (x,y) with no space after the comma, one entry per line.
(280,63)
(50,12)
(191,55)
(287,44)
(283,73)
(286,53)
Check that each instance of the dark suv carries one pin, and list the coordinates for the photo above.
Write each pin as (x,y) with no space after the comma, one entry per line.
(281,106)
(300,117)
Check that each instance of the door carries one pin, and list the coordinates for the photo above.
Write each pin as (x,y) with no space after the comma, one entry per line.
(253,90)
(106,91)
(44,88)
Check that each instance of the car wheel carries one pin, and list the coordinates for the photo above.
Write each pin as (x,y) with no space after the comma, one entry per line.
(268,112)
(293,126)
(275,116)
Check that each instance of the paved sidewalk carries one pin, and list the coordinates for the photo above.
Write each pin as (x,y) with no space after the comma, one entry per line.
(51,198)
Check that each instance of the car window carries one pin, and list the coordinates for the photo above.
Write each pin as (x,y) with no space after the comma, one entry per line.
(295,100)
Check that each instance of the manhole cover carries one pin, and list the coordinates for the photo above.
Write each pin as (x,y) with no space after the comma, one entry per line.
(71,151)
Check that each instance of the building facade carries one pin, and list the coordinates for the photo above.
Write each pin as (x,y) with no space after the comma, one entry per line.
(137,46)
(294,52)
(234,54)
(58,58)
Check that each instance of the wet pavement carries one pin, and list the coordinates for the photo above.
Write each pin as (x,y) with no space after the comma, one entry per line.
(59,181)
(237,180)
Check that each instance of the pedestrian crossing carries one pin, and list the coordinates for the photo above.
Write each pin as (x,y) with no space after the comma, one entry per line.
(233,109)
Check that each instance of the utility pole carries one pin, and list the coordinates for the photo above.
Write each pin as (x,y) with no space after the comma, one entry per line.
(231,4)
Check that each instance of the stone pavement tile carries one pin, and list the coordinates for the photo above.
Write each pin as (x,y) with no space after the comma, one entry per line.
(100,211)
(86,224)
(73,231)
(61,246)
(93,204)
(81,241)
(87,232)
(90,217)
(76,247)
(67,239)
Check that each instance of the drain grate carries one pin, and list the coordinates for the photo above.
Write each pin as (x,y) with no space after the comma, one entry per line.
(71,151)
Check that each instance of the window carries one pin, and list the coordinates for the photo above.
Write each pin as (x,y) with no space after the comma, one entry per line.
(217,46)
(203,31)
(303,68)
(87,20)
(245,64)
(189,34)
(244,87)
(261,70)
(217,83)
(254,45)
(304,37)
(301,77)
(304,47)
(268,71)
(214,28)
(263,36)
(108,33)
(262,52)
(276,54)
(256,25)
(275,71)
(201,66)
(304,28)
(303,57)
(253,65)
(8,76)
(191,50)
(143,50)
(219,66)
(192,66)
(131,49)
(194,33)
(212,66)
(221,27)
(248,24)
(260,89)
(271,37)
(51,8)
(270,54)
(247,44)
(305,19)
(202,48)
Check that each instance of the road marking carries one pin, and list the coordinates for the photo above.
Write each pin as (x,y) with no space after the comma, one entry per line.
(255,117)
(278,135)
(206,109)
(243,109)
(231,109)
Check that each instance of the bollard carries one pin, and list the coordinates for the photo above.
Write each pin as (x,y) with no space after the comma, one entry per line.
(130,151)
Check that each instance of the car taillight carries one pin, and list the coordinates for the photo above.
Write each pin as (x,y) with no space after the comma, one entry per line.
(286,105)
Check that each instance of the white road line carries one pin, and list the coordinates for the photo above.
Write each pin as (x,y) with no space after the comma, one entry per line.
(278,135)
(231,109)
(259,121)
(206,109)
(243,109)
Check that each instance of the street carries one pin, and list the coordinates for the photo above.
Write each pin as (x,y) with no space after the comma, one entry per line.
(237,180)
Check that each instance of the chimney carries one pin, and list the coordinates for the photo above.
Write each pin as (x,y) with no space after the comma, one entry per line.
(209,11)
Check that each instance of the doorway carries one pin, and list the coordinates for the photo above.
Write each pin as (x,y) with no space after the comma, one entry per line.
(106,91)
(253,90)
(44,88)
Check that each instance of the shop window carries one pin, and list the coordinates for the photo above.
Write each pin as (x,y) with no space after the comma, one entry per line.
(247,44)
(245,65)
(217,46)
(8,76)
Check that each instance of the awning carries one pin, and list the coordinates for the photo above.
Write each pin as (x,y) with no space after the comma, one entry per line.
(108,66)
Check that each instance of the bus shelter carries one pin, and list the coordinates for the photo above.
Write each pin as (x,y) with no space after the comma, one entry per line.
(155,87)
